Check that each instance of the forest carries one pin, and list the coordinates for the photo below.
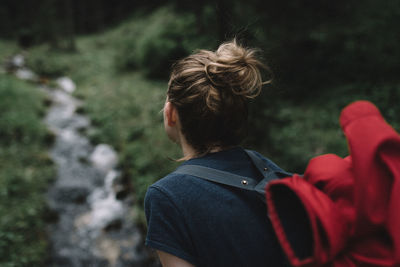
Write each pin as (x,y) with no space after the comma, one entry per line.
(323,56)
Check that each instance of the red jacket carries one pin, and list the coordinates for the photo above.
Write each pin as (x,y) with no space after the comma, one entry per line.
(352,204)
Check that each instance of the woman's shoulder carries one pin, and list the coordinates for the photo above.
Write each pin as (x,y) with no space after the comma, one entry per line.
(172,181)
(165,192)
(174,186)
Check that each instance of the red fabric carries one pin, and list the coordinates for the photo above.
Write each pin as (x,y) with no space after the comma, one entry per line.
(353,204)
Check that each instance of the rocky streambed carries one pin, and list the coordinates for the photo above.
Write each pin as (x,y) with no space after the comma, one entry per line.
(93,219)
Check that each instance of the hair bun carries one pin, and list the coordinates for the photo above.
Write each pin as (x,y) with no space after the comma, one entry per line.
(236,68)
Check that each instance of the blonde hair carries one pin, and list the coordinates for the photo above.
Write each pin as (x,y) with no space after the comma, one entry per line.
(210,90)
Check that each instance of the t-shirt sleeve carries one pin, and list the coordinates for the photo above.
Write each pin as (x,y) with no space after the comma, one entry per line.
(166,228)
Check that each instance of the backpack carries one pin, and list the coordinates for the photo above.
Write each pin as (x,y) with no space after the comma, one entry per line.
(352,204)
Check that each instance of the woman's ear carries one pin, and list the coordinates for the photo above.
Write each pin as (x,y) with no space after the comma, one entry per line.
(170,114)
(171,122)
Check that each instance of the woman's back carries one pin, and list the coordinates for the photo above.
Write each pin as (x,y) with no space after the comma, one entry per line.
(209,224)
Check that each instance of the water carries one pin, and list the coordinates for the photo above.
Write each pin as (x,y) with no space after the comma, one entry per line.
(91,226)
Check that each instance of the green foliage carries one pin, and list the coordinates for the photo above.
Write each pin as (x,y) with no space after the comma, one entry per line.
(7,48)
(320,45)
(156,41)
(44,62)
(292,132)
(25,171)
(20,107)
(299,133)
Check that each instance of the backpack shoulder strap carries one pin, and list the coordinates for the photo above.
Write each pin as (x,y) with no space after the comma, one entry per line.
(269,172)
(217,176)
(268,169)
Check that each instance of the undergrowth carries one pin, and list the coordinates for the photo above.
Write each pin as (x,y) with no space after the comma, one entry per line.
(25,172)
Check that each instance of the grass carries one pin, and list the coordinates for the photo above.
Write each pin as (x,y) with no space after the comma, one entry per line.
(25,172)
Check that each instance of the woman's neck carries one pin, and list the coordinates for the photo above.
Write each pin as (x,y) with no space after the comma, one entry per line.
(189,152)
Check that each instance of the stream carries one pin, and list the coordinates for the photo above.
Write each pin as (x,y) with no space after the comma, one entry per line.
(92,226)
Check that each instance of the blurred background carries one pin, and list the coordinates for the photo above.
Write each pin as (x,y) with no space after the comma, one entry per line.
(323,54)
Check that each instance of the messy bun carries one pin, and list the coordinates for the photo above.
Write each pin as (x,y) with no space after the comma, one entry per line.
(236,68)
(210,90)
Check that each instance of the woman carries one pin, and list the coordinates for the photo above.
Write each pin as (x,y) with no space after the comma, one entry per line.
(194,222)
